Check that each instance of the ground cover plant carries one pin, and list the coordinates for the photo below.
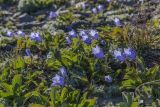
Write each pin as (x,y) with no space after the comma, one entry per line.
(79,53)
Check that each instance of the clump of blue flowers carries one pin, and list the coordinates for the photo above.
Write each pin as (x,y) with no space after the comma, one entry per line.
(69,41)
(108,1)
(119,55)
(130,54)
(94,34)
(20,33)
(72,33)
(59,80)
(125,54)
(85,37)
(36,37)
(53,15)
(97,51)
(100,8)
(84,5)
(94,10)
(103,42)
(9,33)
(108,79)
(117,22)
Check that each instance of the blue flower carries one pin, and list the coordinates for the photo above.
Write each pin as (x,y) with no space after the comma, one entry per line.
(94,34)
(108,78)
(20,33)
(28,52)
(130,54)
(117,22)
(36,37)
(103,42)
(97,52)
(10,33)
(57,81)
(95,1)
(69,41)
(72,33)
(100,8)
(84,6)
(63,71)
(69,28)
(94,10)
(83,33)
(84,36)
(108,1)
(86,39)
(52,15)
(119,56)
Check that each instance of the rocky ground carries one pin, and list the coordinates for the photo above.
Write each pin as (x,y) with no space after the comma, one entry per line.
(129,11)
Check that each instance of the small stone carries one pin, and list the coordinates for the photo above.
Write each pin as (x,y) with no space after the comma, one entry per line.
(26,18)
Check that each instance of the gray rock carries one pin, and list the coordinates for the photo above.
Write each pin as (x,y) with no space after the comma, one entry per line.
(29,25)
(4,12)
(26,18)
(41,12)
(16,14)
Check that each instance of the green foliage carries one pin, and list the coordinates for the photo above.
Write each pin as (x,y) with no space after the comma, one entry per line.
(33,5)
(8,1)
(67,98)
(60,2)
(145,88)
(134,78)
(66,19)
(129,101)
(27,79)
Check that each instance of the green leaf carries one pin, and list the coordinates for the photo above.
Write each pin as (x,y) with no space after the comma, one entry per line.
(53,64)
(134,104)
(152,72)
(141,63)
(83,79)
(1,105)
(88,103)
(6,90)
(74,44)
(27,96)
(72,95)
(68,58)
(147,90)
(4,74)
(129,84)
(36,74)
(53,96)
(18,63)
(17,80)
(36,105)
(64,93)
(156,23)
(122,104)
